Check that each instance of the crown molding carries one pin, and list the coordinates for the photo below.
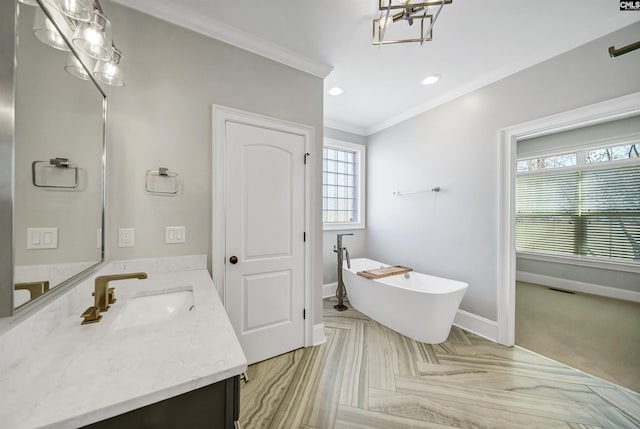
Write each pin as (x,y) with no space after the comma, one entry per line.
(341,126)
(574,41)
(215,29)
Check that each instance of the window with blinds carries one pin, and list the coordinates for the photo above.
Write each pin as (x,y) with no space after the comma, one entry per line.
(585,212)
(342,185)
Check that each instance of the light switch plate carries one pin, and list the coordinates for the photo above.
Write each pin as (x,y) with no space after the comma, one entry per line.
(42,238)
(126,237)
(175,234)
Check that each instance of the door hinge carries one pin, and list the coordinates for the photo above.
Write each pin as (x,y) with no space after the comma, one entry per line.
(305,157)
(304,313)
(304,236)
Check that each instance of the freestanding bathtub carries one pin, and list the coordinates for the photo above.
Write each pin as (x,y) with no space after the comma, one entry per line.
(419,306)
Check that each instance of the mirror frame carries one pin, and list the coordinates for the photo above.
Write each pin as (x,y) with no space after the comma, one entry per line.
(8,62)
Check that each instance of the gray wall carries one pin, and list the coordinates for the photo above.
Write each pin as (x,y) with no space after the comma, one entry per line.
(579,138)
(356,244)
(592,275)
(454,233)
(163,118)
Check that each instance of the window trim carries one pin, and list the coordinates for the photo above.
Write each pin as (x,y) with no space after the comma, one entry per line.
(361,152)
(581,164)
(583,261)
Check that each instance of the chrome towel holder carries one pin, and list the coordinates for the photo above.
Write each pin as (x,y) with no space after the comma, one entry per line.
(60,164)
(162,182)
(400,194)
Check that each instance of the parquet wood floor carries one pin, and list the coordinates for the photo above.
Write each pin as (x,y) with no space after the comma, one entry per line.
(367,376)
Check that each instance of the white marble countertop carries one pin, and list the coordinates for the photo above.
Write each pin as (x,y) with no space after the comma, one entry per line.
(82,374)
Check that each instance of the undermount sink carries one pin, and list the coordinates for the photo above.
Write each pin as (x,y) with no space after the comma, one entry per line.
(156,306)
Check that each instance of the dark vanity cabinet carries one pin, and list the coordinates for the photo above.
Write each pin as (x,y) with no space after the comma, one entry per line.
(216,406)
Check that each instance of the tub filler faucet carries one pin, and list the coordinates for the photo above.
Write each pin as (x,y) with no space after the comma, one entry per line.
(342,254)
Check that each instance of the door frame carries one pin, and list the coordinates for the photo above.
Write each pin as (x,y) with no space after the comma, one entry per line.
(616,108)
(221,115)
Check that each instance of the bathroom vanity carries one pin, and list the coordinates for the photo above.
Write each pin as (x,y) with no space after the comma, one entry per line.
(138,366)
(214,406)
(164,355)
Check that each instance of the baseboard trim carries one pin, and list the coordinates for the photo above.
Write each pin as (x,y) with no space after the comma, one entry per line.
(478,325)
(576,286)
(329,290)
(318,335)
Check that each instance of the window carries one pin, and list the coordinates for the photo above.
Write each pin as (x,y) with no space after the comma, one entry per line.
(590,208)
(343,173)
(546,162)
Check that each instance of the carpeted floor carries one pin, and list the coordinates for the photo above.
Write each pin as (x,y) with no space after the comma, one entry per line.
(600,336)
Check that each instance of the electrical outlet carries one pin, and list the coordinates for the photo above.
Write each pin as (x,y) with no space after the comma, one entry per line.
(126,237)
(42,238)
(175,234)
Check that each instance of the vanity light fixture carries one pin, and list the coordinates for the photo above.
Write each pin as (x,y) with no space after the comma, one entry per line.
(79,10)
(336,90)
(29,2)
(406,13)
(91,38)
(109,71)
(75,68)
(430,80)
(94,37)
(47,33)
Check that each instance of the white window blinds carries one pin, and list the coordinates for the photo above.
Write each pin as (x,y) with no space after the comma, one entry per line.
(593,212)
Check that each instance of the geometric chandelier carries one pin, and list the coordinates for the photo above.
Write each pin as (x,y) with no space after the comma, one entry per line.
(404,14)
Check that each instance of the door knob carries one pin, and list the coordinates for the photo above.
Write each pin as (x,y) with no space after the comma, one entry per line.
(233,259)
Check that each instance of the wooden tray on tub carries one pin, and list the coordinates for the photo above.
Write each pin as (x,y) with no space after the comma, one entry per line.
(379,273)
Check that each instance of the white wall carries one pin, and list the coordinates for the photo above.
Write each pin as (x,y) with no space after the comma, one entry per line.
(163,118)
(356,244)
(454,233)
(580,138)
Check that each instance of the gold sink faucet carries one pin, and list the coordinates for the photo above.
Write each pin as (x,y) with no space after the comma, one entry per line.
(103,295)
(35,288)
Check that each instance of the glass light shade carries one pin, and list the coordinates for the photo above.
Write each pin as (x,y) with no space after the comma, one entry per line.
(94,37)
(29,2)
(108,72)
(75,68)
(47,33)
(80,10)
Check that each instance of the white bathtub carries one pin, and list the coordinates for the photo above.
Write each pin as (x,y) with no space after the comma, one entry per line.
(421,307)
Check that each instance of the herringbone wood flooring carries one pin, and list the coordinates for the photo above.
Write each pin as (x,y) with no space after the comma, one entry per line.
(369,377)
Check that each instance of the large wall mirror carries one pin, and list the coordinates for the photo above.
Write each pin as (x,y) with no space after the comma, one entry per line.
(58,174)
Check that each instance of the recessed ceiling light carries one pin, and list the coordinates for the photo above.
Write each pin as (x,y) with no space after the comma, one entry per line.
(430,80)
(336,90)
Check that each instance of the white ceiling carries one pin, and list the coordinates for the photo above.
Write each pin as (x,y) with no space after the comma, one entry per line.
(474,43)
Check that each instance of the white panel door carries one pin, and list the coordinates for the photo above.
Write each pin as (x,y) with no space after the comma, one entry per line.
(264,232)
